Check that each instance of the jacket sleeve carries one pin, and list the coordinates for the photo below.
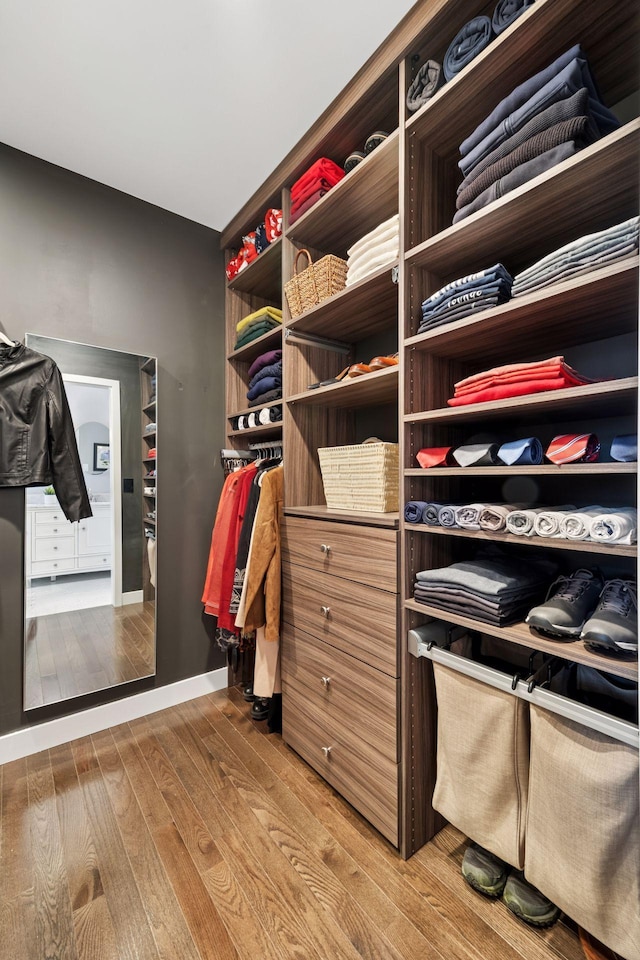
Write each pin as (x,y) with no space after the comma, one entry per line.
(66,470)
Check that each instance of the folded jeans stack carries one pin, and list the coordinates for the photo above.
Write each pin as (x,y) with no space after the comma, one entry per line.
(583,255)
(313,185)
(492,589)
(471,294)
(516,380)
(545,120)
(256,324)
(376,249)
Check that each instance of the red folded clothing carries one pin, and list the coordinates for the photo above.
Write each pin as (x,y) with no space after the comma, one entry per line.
(321,183)
(504,390)
(273,224)
(309,202)
(521,371)
(435,457)
(322,169)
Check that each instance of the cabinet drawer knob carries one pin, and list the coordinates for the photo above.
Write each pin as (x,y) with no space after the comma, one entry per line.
(55,529)
(325,611)
(55,548)
(55,564)
(326,751)
(325,548)
(325,681)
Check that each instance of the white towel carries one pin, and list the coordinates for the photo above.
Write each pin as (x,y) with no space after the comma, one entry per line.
(577,525)
(383,231)
(468,516)
(521,522)
(616,526)
(547,523)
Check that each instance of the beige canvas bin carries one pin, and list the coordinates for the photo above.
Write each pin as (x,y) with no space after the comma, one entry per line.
(361,477)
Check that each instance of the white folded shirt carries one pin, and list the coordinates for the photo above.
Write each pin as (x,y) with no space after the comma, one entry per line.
(383,231)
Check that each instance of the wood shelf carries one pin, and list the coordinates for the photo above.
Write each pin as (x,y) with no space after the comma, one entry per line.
(271,340)
(321,512)
(248,410)
(146,478)
(519,326)
(149,406)
(149,459)
(264,430)
(151,435)
(543,470)
(537,38)
(364,198)
(149,366)
(355,312)
(605,399)
(574,651)
(582,546)
(371,389)
(263,277)
(151,522)
(590,191)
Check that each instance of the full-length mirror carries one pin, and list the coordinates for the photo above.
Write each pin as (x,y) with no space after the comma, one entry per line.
(90,599)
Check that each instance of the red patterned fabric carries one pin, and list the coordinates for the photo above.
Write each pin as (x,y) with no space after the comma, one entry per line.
(273,224)
(574,448)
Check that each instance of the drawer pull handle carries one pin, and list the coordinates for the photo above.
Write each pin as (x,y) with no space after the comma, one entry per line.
(325,681)
(325,548)
(327,752)
(55,564)
(325,611)
(55,548)
(55,529)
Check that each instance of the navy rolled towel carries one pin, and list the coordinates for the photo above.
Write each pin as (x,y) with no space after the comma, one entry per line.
(506,12)
(466,45)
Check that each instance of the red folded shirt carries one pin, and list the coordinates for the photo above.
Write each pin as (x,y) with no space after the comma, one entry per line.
(516,380)
(322,169)
(309,202)
(319,184)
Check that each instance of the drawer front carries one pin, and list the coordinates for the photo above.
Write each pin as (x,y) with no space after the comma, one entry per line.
(54,548)
(356,619)
(347,691)
(50,516)
(365,554)
(91,563)
(366,779)
(49,568)
(63,529)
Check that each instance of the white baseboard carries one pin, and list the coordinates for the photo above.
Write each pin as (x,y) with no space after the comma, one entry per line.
(42,736)
(133,596)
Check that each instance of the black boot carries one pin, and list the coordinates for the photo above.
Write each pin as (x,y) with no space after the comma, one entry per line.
(247,693)
(260,708)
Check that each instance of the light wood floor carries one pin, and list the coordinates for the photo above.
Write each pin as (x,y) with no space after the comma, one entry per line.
(70,654)
(192,834)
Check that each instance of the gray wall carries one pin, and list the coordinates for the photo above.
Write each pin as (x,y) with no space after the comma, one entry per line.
(82,262)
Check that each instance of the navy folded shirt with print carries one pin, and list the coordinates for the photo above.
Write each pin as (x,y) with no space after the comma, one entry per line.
(458,299)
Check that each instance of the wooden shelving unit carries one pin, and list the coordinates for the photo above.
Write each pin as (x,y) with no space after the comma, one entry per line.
(271,340)
(380,386)
(262,276)
(148,393)
(548,543)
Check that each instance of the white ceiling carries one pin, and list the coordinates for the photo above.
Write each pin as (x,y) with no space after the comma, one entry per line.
(188,104)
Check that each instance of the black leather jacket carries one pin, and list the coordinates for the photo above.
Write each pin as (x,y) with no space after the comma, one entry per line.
(37,438)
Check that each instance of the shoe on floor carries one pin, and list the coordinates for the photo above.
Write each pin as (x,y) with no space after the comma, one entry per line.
(353,160)
(374,141)
(247,693)
(614,624)
(483,871)
(260,708)
(527,903)
(569,604)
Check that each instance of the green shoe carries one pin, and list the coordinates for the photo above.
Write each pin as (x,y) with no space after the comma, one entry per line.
(483,871)
(527,902)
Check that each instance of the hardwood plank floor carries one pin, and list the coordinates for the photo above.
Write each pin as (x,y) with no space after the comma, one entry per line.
(70,654)
(195,834)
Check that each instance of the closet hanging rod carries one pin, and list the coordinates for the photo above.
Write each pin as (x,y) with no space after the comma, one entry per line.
(337,346)
(613,727)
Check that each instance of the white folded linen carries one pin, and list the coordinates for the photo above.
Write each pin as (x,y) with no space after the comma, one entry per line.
(373,262)
(468,516)
(577,525)
(547,523)
(615,526)
(389,228)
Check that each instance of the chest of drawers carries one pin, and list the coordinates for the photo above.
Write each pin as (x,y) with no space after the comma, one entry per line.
(340,688)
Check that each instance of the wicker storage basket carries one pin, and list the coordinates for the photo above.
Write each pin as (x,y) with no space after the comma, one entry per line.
(361,477)
(319,281)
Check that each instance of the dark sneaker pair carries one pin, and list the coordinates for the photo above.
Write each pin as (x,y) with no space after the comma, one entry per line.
(584,606)
(356,156)
(493,877)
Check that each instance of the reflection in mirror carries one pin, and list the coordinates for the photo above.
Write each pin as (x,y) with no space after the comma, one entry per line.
(90,605)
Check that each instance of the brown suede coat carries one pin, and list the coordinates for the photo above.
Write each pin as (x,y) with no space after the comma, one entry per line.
(263,579)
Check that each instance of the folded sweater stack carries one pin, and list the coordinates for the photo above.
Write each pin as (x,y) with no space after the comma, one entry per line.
(491,589)
(256,324)
(545,120)
(516,380)
(470,294)
(313,185)
(588,253)
(265,374)
(376,249)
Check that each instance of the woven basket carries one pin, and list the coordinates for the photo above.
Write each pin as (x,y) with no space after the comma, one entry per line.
(361,477)
(313,285)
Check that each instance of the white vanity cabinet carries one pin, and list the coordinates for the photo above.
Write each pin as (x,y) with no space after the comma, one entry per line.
(56,547)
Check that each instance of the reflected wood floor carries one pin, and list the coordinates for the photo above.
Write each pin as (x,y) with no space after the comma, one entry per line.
(73,653)
(192,834)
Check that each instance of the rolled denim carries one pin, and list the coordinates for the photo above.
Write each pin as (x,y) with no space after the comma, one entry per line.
(413,511)
(430,514)
(574,129)
(466,45)
(522,174)
(447,516)
(469,282)
(428,81)
(576,105)
(573,77)
(506,12)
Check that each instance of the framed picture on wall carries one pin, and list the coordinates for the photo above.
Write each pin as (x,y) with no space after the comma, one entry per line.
(101,456)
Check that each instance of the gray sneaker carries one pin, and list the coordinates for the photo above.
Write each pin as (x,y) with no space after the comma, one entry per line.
(569,604)
(614,624)
(483,871)
(527,902)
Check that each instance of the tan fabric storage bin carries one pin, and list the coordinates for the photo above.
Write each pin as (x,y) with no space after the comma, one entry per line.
(482,762)
(583,835)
